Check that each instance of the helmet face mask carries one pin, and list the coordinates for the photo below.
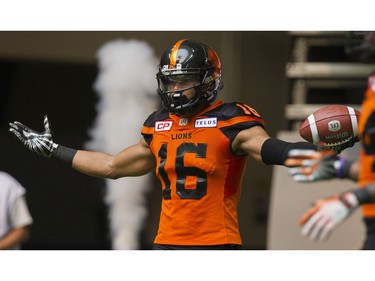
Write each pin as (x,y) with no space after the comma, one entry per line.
(188,66)
(185,82)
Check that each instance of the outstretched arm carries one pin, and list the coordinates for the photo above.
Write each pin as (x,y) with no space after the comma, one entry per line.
(256,142)
(135,160)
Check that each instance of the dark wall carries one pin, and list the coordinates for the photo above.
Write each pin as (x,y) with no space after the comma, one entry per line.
(264,87)
(67,206)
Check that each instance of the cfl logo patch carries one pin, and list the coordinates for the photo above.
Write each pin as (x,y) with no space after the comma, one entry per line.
(163,126)
(334,125)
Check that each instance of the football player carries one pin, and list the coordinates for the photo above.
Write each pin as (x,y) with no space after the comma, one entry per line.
(309,166)
(196,144)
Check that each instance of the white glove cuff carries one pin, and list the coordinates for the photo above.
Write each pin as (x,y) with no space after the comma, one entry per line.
(350,200)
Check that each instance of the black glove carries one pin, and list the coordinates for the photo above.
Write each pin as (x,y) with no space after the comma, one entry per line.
(40,143)
(310,165)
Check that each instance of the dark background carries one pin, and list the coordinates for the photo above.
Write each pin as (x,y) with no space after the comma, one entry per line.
(67,206)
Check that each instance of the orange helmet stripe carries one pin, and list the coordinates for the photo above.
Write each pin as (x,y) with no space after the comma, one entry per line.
(215,60)
(173,58)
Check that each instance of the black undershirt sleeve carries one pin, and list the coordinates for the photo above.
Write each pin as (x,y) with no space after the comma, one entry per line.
(65,154)
(365,195)
(275,151)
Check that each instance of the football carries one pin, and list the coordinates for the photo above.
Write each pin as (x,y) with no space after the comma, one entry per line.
(330,126)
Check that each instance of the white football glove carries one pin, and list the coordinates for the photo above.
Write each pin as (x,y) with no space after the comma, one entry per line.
(40,143)
(310,165)
(318,222)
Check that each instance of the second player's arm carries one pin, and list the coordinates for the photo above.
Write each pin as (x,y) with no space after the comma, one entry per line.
(14,237)
(135,160)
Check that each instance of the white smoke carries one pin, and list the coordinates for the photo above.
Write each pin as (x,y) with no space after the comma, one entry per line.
(126,85)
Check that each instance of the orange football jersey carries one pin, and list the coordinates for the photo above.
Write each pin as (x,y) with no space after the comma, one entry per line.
(367,153)
(200,176)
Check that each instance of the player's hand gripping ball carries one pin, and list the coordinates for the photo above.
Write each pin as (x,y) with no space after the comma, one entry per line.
(332,127)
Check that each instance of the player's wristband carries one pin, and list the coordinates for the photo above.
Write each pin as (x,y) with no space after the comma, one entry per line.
(363,194)
(65,154)
(343,170)
(350,200)
(275,151)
